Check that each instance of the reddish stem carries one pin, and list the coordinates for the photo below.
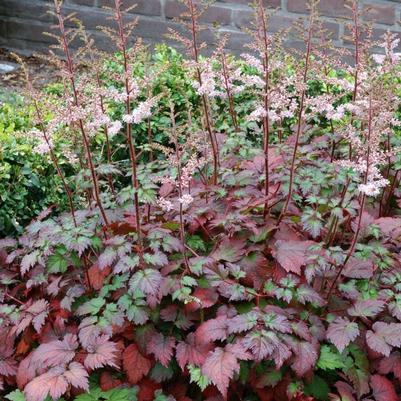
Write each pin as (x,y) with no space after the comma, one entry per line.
(195,51)
(70,68)
(300,118)
(131,145)
(361,209)
(266,128)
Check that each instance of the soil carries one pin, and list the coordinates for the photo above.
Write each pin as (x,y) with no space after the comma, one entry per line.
(40,71)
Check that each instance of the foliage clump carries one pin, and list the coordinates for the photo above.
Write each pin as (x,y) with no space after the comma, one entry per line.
(232,232)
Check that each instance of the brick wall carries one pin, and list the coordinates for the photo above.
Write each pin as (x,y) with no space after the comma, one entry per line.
(23,21)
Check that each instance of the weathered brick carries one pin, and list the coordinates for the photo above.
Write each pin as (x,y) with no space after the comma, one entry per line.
(237,41)
(333,29)
(266,3)
(27,30)
(243,19)
(156,30)
(213,14)
(23,46)
(143,7)
(26,9)
(88,3)
(173,8)
(377,35)
(280,22)
(329,8)
(93,19)
(384,13)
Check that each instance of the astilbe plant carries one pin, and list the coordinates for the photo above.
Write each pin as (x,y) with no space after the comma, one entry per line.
(226,270)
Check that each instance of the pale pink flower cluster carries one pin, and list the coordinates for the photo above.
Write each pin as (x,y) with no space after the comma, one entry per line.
(165,204)
(189,169)
(235,81)
(323,104)
(187,172)
(95,118)
(70,156)
(375,181)
(186,200)
(115,94)
(253,61)
(389,44)
(216,83)
(257,114)
(281,106)
(366,145)
(252,80)
(373,187)
(141,112)
(114,128)
(41,147)
(208,85)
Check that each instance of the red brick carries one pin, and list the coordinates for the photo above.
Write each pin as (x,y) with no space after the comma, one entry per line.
(173,8)
(279,22)
(215,14)
(25,9)
(212,14)
(89,3)
(143,7)
(237,41)
(379,13)
(266,3)
(27,30)
(243,19)
(377,35)
(328,8)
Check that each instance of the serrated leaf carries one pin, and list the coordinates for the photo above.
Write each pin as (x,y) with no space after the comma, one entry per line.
(383,337)
(29,261)
(16,395)
(383,389)
(148,281)
(341,332)
(191,351)
(318,388)
(101,352)
(330,359)
(136,366)
(91,307)
(57,263)
(366,308)
(197,377)
(221,365)
(161,347)
(291,254)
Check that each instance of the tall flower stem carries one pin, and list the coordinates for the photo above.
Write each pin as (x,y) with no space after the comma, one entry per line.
(70,69)
(106,134)
(356,36)
(228,91)
(361,209)
(131,145)
(180,189)
(53,156)
(300,116)
(266,128)
(195,52)
(55,162)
